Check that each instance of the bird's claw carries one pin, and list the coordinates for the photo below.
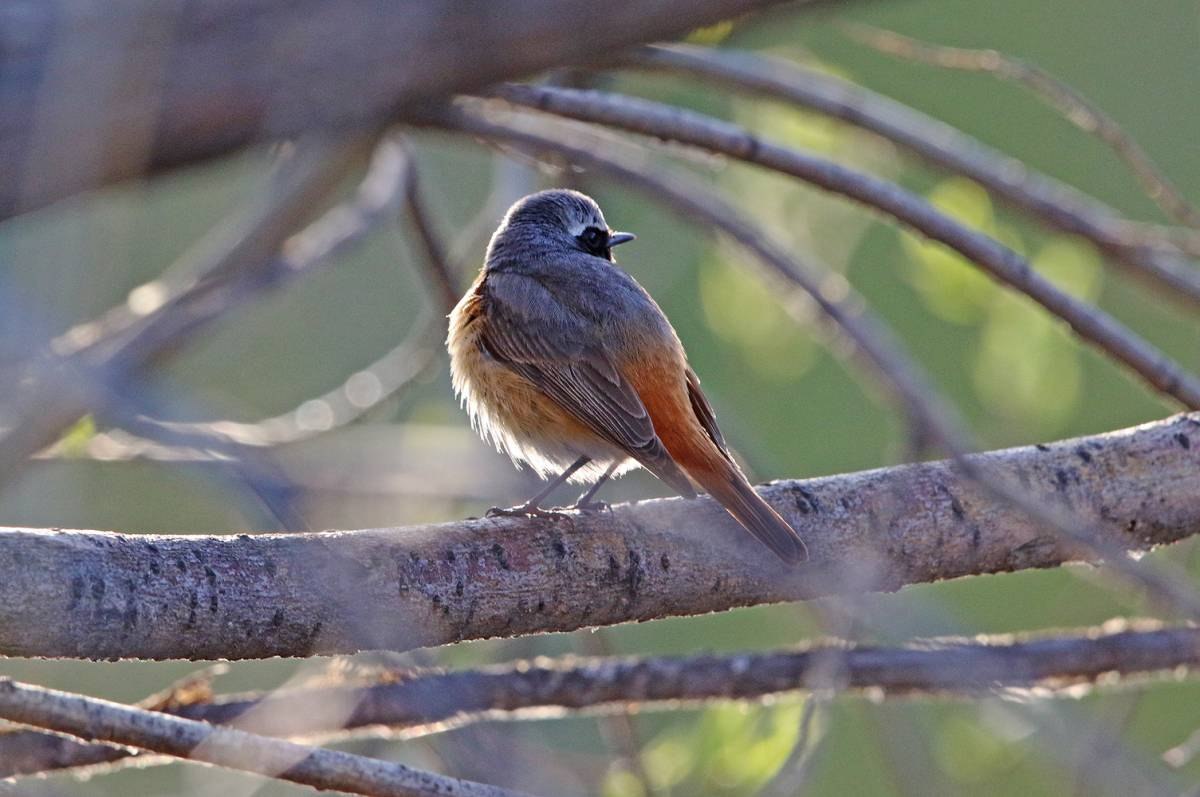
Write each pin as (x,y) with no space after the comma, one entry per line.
(524,510)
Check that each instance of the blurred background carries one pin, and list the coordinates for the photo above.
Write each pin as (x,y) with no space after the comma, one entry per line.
(786,404)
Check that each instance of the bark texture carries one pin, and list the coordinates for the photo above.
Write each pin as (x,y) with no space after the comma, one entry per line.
(90,594)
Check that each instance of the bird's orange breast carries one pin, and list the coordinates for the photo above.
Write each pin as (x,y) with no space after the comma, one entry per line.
(505,406)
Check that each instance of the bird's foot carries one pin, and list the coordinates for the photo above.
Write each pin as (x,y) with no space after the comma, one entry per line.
(524,510)
(592,507)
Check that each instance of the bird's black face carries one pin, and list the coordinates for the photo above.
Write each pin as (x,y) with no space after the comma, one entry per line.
(599,241)
(561,217)
(594,240)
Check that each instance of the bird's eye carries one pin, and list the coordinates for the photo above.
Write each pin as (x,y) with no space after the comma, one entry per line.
(594,239)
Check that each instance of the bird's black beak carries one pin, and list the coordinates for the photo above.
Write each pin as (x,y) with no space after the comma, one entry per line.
(618,238)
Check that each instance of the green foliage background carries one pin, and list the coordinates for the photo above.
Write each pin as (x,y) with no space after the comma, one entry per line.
(789,407)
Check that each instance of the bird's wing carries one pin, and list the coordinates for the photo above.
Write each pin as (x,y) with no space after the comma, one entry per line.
(530,331)
(704,411)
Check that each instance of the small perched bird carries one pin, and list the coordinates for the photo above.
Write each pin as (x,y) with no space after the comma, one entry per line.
(565,363)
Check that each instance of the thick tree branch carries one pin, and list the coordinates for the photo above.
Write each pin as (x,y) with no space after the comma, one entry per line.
(1050,201)
(416,703)
(1003,264)
(101,595)
(157,85)
(92,718)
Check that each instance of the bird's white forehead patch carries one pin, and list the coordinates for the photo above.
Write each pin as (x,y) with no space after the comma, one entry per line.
(578,225)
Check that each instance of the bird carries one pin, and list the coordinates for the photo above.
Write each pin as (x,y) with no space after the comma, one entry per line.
(566,364)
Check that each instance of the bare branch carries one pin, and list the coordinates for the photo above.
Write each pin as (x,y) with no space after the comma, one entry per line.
(361,392)
(158,85)
(103,595)
(1050,201)
(794,772)
(686,127)
(92,718)
(438,270)
(240,264)
(1072,105)
(415,703)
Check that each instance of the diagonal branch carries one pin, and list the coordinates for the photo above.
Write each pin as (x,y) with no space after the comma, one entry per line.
(102,595)
(361,392)
(687,127)
(442,276)
(1050,201)
(417,703)
(1072,105)
(92,718)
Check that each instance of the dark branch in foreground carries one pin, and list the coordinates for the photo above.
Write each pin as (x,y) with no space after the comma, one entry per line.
(102,595)
(92,718)
(413,704)
(157,86)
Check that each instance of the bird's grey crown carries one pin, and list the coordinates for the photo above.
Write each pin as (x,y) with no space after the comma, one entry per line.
(561,208)
(544,224)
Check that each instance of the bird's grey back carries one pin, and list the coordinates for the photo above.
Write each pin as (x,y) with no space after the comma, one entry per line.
(535,242)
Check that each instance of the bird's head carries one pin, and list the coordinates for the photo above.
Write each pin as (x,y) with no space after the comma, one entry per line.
(558,219)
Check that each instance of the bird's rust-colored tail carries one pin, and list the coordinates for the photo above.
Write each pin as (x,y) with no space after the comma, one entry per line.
(733,491)
(685,423)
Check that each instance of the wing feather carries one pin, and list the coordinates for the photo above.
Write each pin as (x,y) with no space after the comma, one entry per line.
(530,331)
(704,411)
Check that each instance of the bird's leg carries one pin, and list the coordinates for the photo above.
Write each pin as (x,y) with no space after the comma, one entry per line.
(585,502)
(532,508)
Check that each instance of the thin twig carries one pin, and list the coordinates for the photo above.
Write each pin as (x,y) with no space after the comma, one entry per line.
(1046,199)
(437,267)
(1071,104)
(793,773)
(687,127)
(360,393)
(618,728)
(416,703)
(92,718)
